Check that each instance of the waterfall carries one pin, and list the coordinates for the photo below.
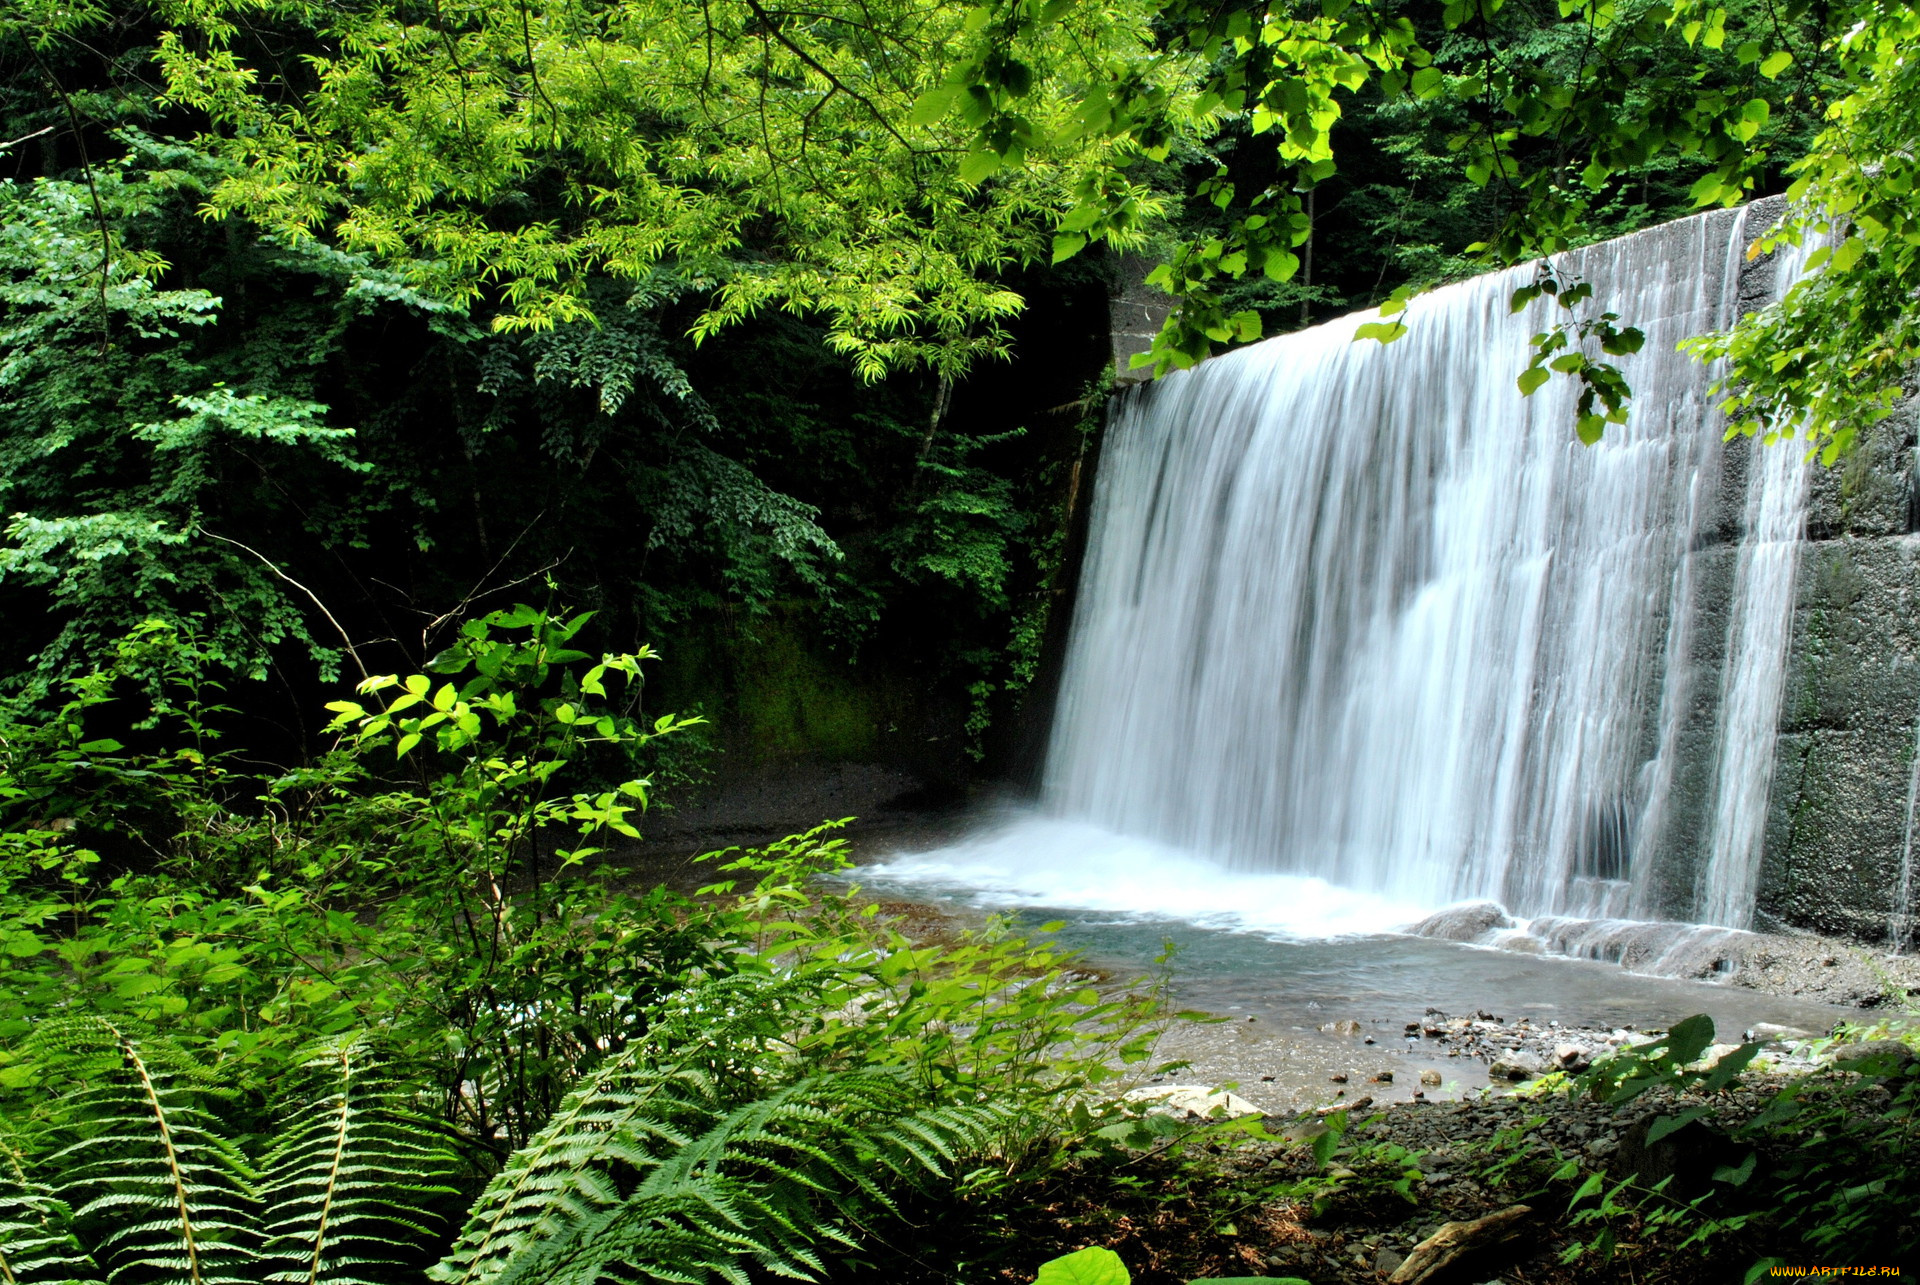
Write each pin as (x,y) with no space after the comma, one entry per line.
(1753,683)
(1362,612)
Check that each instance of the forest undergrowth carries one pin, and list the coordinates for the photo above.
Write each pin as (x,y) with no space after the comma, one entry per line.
(382,1018)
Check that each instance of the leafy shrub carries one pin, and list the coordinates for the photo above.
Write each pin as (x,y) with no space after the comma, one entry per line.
(285,1027)
(1834,1152)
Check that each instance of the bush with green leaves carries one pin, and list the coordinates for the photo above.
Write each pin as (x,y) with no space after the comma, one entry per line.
(1824,1169)
(412,938)
(415,886)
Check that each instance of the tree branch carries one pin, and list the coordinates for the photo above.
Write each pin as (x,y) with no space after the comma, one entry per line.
(773,29)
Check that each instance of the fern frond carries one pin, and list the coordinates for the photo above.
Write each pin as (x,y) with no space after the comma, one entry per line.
(158,1194)
(350,1180)
(659,1174)
(37,1246)
(561,1177)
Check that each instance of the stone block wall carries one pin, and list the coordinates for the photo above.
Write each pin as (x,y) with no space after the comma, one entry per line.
(1840,819)
(1136,312)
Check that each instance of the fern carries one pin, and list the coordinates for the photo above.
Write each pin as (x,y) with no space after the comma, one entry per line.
(707,1036)
(160,1194)
(37,1246)
(651,1173)
(699,1155)
(345,1182)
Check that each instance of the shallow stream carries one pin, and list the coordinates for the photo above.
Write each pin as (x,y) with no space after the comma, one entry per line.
(1296,955)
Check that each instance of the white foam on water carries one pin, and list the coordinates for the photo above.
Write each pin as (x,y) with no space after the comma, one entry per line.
(1056,864)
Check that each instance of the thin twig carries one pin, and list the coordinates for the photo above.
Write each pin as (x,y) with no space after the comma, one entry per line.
(311,595)
(533,71)
(773,29)
(93,190)
(26,138)
(479,592)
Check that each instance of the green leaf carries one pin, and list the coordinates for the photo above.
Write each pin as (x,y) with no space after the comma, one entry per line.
(980,166)
(1623,342)
(1737,1175)
(1531,379)
(1776,62)
(1090,1266)
(1728,1068)
(1689,1038)
(1706,189)
(1385,331)
(1672,1123)
(1066,245)
(932,105)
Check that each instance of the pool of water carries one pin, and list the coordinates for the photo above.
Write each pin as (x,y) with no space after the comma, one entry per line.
(1295,953)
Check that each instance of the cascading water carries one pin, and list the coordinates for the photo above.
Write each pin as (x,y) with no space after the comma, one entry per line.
(1363,634)
(1363,613)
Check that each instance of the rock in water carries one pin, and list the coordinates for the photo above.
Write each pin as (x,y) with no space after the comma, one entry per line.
(1193,1102)
(1571,1057)
(1515,1067)
(1469,922)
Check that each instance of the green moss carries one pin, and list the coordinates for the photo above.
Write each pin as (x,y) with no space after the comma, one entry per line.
(775,691)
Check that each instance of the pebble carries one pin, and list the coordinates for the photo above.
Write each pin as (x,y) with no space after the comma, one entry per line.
(1572,1057)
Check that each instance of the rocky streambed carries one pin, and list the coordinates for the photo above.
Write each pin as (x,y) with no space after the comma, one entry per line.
(1434,1056)
(1483,1188)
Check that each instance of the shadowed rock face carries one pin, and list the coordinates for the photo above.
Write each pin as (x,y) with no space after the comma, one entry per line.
(1839,826)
